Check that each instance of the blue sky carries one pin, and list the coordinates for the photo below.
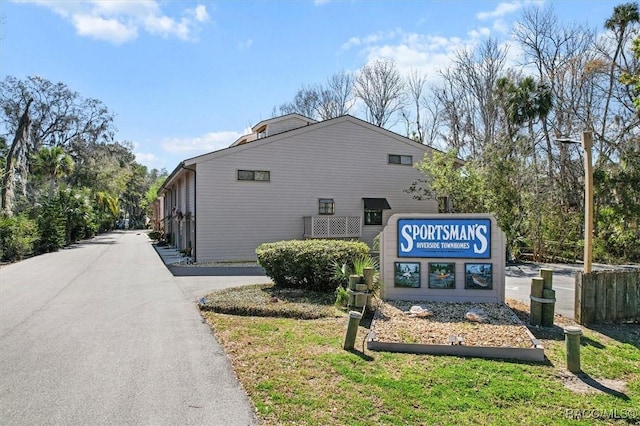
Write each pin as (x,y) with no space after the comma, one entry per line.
(188,77)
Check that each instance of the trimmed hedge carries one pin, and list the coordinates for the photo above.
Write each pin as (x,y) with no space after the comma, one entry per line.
(308,264)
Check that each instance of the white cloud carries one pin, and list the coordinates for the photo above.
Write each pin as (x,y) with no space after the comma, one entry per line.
(430,53)
(369,39)
(500,14)
(353,42)
(479,33)
(148,159)
(103,29)
(139,8)
(245,44)
(121,21)
(200,13)
(411,51)
(501,10)
(200,145)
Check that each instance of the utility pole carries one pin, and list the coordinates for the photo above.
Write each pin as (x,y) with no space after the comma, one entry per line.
(587,143)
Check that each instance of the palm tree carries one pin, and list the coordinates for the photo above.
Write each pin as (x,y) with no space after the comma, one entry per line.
(526,102)
(106,206)
(52,163)
(624,15)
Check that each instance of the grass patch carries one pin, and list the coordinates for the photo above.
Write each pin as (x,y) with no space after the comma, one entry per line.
(268,300)
(296,372)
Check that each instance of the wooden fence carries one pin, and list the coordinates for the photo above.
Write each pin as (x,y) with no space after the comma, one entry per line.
(604,297)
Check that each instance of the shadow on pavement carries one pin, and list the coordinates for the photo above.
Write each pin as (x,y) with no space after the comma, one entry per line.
(524,270)
(97,240)
(215,271)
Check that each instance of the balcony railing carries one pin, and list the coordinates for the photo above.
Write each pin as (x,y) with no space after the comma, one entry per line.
(332,227)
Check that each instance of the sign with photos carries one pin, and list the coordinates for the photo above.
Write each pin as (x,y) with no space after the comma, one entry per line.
(443,257)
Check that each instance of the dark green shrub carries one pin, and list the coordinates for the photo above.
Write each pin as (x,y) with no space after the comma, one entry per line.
(18,235)
(155,235)
(307,264)
(78,214)
(51,227)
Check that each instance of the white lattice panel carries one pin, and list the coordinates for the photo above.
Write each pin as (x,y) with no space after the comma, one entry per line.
(353,226)
(337,227)
(321,226)
(332,226)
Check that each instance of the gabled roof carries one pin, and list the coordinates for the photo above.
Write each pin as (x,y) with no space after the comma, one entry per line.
(281,118)
(312,127)
(245,139)
(316,125)
(262,127)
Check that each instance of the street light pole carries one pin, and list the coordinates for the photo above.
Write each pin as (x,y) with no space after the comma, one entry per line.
(587,143)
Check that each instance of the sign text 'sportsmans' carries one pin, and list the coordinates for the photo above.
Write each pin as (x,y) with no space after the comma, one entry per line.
(455,238)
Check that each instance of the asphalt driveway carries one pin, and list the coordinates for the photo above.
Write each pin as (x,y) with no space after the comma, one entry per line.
(103,333)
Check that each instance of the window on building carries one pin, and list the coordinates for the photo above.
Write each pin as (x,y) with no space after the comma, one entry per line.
(373,208)
(255,175)
(262,132)
(326,206)
(373,217)
(405,160)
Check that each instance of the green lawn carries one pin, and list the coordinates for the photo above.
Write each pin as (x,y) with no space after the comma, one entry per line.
(296,372)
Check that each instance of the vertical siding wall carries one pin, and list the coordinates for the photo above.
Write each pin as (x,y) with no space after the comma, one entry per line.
(344,161)
(603,297)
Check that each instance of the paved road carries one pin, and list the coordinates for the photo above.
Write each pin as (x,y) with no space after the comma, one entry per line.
(102,333)
(518,282)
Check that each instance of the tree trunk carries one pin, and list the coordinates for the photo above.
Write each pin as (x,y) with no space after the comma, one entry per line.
(20,138)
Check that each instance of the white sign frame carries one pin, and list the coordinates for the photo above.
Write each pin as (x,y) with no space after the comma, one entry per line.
(477,291)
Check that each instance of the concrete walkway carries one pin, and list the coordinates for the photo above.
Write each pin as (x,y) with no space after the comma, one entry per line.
(171,255)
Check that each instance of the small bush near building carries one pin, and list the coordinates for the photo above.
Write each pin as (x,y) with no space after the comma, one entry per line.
(308,264)
(155,235)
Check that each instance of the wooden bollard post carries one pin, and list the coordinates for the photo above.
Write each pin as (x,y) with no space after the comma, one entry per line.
(572,339)
(352,330)
(354,280)
(549,306)
(535,307)
(368,277)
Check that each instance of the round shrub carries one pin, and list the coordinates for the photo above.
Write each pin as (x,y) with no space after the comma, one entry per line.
(307,264)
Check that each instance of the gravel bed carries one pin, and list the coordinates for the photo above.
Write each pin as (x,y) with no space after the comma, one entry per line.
(393,323)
